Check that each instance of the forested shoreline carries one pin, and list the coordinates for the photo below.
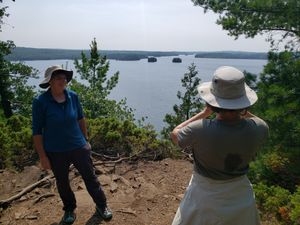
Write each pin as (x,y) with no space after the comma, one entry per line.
(27,54)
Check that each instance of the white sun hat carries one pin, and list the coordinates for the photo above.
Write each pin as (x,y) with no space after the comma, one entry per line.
(227,90)
(49,72)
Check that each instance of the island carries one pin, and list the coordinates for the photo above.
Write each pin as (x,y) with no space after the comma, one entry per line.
(176,60)
(152,59)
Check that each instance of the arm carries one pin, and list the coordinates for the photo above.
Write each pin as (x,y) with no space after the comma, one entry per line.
(203,114)
(38,143)
(83,128)
(37,131)
(81,119)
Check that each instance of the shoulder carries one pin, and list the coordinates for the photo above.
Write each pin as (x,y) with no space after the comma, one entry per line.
(71,93)
(41,98)
(259,123)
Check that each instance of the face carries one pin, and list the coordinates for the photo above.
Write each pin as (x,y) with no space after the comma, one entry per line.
(58,81)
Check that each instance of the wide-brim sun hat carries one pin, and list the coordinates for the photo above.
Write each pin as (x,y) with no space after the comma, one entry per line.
(49,72)
(227,90)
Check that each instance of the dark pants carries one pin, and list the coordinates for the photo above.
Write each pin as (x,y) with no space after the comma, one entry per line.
(60,163)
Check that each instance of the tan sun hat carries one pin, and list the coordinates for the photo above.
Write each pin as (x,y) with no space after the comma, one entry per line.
(49,72)
(227,90)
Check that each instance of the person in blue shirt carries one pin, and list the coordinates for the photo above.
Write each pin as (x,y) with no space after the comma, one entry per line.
(60,139)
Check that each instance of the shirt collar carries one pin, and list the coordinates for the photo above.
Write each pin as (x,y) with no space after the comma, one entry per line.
(50,97)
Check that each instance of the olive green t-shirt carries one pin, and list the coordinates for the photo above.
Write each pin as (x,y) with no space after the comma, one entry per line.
(223,150)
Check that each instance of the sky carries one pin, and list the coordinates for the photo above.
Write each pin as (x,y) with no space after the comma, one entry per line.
(151,25)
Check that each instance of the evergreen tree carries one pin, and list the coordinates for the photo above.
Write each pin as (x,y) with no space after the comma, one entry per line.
(279,104)
(279,99)
(277,18)
(15,94)
(189,102)
(95,94)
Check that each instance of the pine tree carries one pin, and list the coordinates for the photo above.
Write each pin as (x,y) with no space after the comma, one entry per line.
(190,103)
(95,94)
(15,94)
(277,18)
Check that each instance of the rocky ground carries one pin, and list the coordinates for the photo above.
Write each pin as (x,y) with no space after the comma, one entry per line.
(144,193)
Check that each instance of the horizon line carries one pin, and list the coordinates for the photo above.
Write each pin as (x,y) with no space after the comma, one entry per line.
(191,51)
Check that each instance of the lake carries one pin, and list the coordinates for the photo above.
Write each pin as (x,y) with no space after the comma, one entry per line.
(151,88)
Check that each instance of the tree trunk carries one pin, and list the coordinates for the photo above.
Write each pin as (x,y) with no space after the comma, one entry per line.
(6,106)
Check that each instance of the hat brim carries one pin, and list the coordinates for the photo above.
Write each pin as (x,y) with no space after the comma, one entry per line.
(45,82)
(245,101)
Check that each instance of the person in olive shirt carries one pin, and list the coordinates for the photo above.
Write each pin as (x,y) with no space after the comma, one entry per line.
(219,191)
(60,138)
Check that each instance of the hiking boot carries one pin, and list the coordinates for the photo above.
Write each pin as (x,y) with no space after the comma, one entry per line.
(104,212)
(69,217)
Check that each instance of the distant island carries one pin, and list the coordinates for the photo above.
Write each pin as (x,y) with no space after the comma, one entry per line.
(176,60)
(152,59)
(232,55)
(27,54)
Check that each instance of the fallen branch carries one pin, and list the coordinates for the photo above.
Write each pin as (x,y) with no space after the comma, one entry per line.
(189,156)
(104,156)
(5,203)
(40,198)
(111,162)
(127,211)
(120,159)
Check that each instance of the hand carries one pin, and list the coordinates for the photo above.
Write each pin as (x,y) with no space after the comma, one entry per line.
(88,146)
(45,163)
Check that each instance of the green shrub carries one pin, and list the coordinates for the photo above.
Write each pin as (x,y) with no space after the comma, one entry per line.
(295,207)
(273,200)
(278,202)
(5,153)
(273,168)
(16,146)
(114,137)
(108,136)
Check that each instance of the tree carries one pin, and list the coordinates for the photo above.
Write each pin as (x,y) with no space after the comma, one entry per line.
(249,18)
(95,94)
(94,69)
(15,94)
(279,98)
(190,103)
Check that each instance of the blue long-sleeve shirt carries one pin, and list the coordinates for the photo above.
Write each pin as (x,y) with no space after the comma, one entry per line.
(58,122)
